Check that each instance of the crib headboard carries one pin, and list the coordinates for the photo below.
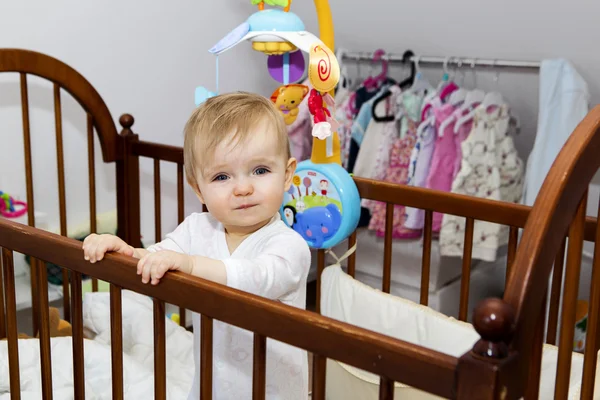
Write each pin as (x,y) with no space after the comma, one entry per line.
(559,210)
(113,146)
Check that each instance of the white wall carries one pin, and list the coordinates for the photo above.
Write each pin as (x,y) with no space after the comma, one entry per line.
(146,58)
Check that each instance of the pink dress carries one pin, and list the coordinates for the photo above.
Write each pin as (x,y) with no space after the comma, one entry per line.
(441,172)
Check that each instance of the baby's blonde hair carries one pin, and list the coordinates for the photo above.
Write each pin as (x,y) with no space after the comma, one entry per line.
(231,116)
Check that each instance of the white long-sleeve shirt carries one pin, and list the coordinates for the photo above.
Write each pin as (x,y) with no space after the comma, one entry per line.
(273,262)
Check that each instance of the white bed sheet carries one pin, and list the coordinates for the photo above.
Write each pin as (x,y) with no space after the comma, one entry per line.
(138,357)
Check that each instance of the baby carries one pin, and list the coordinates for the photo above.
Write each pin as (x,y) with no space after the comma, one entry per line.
(238,162)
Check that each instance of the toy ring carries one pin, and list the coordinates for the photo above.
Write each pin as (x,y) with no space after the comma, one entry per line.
(13,214)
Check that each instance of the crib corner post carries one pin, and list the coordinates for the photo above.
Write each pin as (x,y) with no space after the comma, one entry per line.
(490,370)
(128,186)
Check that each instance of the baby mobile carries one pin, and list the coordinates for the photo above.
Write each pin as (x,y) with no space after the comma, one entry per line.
(323,204)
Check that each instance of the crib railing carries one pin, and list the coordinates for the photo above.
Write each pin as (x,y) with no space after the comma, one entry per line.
(472,209)
(125,149)
(392,359)
(515,217)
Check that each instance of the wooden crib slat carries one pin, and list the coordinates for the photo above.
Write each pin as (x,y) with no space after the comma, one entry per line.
(60,161)
(426,259)
(157,210)
(535,366)
(592,342)
(352,257)
(567,331)
(386,389)
(318,377)
(387,247)
(29,183)
(77,327)
(465,281)
(320,268)
(116,341)
(180,217)
(513,238)
(61,193)
(34,266)
(27,145)
(11,319)
(92,183)
(160,354)
(206,357)
(180,198)
(44,325)
(91,172)
(557,278)
(2,307)
(259,367)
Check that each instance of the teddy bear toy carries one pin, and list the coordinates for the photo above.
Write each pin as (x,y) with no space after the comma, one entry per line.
(287,99)
(58,327)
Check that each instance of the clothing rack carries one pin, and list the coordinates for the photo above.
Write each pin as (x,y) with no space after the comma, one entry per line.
(441,61)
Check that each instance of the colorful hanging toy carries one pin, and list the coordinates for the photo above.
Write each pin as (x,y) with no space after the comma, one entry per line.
(7,206)
(323,204)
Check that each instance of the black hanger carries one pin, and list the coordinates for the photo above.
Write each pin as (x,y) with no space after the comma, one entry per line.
(408,54)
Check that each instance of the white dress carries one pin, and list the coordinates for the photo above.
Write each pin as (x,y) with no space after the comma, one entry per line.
(272,262)
(490,169)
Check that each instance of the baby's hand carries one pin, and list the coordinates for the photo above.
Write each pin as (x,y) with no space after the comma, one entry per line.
(95,246)
(153,266)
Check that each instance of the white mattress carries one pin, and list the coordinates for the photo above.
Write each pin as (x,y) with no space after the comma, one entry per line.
(407,258)
(348,300)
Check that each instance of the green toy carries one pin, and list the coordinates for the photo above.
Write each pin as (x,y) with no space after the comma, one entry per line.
(275,3)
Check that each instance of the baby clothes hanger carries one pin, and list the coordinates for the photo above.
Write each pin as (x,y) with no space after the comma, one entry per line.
(345,80)
(373,82)
(406,59)
(456,98)
(420,83)
(445,77)
(472,100)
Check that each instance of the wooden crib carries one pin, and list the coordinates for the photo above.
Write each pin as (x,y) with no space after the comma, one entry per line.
(504,364)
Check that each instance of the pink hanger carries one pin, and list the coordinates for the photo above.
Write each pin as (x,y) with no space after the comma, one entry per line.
(373,82)
(445,92)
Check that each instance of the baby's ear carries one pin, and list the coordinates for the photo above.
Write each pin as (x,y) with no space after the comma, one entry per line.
(290,169)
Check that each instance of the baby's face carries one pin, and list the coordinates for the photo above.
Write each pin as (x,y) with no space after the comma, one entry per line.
(244,185)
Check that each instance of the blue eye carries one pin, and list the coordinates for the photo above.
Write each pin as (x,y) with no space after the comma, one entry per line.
(261,171)
(220,178)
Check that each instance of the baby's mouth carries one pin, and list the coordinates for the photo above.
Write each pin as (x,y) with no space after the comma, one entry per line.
(245,206)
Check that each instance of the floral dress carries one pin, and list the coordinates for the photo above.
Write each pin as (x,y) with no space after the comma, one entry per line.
(490,169)
(397,170)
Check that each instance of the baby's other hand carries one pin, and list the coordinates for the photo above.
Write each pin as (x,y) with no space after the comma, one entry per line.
(153,266)
(95,246)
